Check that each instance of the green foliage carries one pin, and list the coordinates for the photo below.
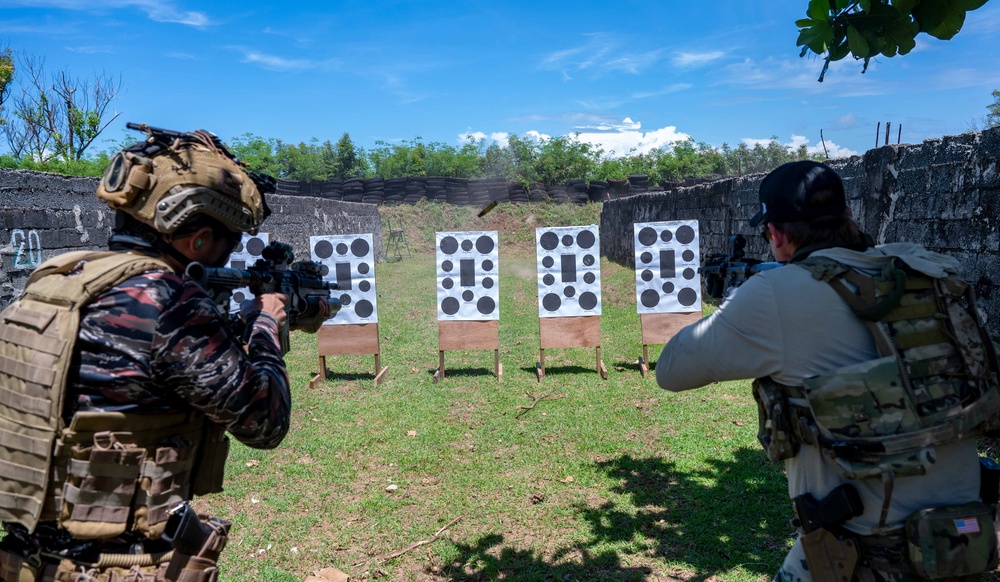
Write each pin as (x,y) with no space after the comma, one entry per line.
(993,117)
(349,160)
(866,29)
(6,76)
(415,158)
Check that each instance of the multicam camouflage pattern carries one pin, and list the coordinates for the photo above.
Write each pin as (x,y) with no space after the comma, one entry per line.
(952,541)
(935,383)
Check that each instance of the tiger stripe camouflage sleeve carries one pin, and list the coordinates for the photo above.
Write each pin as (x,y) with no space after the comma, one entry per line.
(197,357)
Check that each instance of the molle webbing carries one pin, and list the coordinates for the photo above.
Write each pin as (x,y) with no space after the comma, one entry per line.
(934,383)
(37,336)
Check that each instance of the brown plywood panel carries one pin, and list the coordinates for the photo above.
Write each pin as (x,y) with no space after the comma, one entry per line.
(359,338)
(658,328)
(570,332)
(469,335)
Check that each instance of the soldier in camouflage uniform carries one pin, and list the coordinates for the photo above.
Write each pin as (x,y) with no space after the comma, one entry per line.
(154,380)
(874,378)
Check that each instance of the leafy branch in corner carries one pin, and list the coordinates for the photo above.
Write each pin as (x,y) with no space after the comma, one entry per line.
(866,29)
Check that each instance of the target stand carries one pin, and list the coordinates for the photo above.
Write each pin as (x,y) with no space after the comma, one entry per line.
(658,328)
(469,335)
(349,339)
(569,332)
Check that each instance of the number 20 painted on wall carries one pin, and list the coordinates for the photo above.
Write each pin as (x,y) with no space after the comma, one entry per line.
(26,258)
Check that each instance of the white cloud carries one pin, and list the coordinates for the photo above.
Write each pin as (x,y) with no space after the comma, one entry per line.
(274,63)
(831,151)
(158,10)
(685,59)
(625,142)
(676,87)
(498,137)
(600,54)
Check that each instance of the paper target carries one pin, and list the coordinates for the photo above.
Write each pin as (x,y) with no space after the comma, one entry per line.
(250,249)
(468,276)
(349,261)
(569,271)
(666,267)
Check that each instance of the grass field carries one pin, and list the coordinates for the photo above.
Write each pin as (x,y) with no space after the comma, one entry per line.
(610,479)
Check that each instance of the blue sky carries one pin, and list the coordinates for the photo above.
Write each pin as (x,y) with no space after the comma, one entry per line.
(625,74)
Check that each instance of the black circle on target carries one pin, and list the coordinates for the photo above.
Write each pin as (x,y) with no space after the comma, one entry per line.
(687,296)
(255,246)
(548,261)
(689,273)
(548,279)
(345,299)
(341,249)
(589,278)
(364,309)
(324,270)
(487,282)
(466,245)
(324,249)
(468,295)
(647,236)
(450,305)
(569,291)
(588,260)
(586,239)
(239,247)
(668,287)
(688,255)
(646,275)
(365,286)
(239,297)
(588,300)
(449,245)
(551,302)
(447,266)
(548,241)
(360,248)
(363,268)
(646,257)
(685,234)
(487,265)
(484,244)
(567,240)
(447,283)
(666,235)
(649,298)
(486,305)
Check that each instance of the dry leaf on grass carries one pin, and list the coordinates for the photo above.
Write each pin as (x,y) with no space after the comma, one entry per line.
(568,479)
(328,575)
(253,463)
(411,433)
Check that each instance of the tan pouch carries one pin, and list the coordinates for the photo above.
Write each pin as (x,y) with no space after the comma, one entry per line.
(830,559)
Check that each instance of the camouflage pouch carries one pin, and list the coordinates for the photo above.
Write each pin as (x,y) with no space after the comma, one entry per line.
(952,541)
(774,421)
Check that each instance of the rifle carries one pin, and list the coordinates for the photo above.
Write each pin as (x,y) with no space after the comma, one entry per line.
(274,272)
(724,272)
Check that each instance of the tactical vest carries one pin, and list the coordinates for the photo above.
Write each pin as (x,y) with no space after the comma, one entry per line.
(934,382)
(105,473)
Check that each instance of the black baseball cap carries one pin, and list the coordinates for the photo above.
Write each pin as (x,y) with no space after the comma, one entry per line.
(785,193)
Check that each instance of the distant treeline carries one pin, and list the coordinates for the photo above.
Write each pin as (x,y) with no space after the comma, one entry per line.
(552,162)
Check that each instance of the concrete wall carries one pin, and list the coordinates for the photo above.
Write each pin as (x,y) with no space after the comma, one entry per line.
(943,193)
(42,215)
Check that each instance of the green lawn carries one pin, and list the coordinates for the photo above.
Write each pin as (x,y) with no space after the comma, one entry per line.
(602,480)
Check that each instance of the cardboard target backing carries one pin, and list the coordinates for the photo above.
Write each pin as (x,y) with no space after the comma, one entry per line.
(569,271)
(250,249)
(666,267)
(349,261)
(468,276)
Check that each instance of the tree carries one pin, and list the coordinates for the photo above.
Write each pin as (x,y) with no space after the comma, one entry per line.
(866,29)
(258,153)
(349,160)
(58,117)
(6,77)
(993,117)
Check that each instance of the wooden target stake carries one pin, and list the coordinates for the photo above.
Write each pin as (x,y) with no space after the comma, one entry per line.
(569,332)
(349,339)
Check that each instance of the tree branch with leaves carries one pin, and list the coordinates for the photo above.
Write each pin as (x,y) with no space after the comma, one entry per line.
(866,29)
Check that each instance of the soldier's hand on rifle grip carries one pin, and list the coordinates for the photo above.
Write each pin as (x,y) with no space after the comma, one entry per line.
(271,303)
(313,323)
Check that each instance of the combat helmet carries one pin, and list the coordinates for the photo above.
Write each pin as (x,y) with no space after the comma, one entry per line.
(170,177)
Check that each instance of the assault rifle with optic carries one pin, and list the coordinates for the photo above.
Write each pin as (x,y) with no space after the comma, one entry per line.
(274,272)
(723,272)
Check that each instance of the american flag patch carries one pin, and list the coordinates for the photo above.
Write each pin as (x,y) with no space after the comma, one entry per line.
(969,525)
